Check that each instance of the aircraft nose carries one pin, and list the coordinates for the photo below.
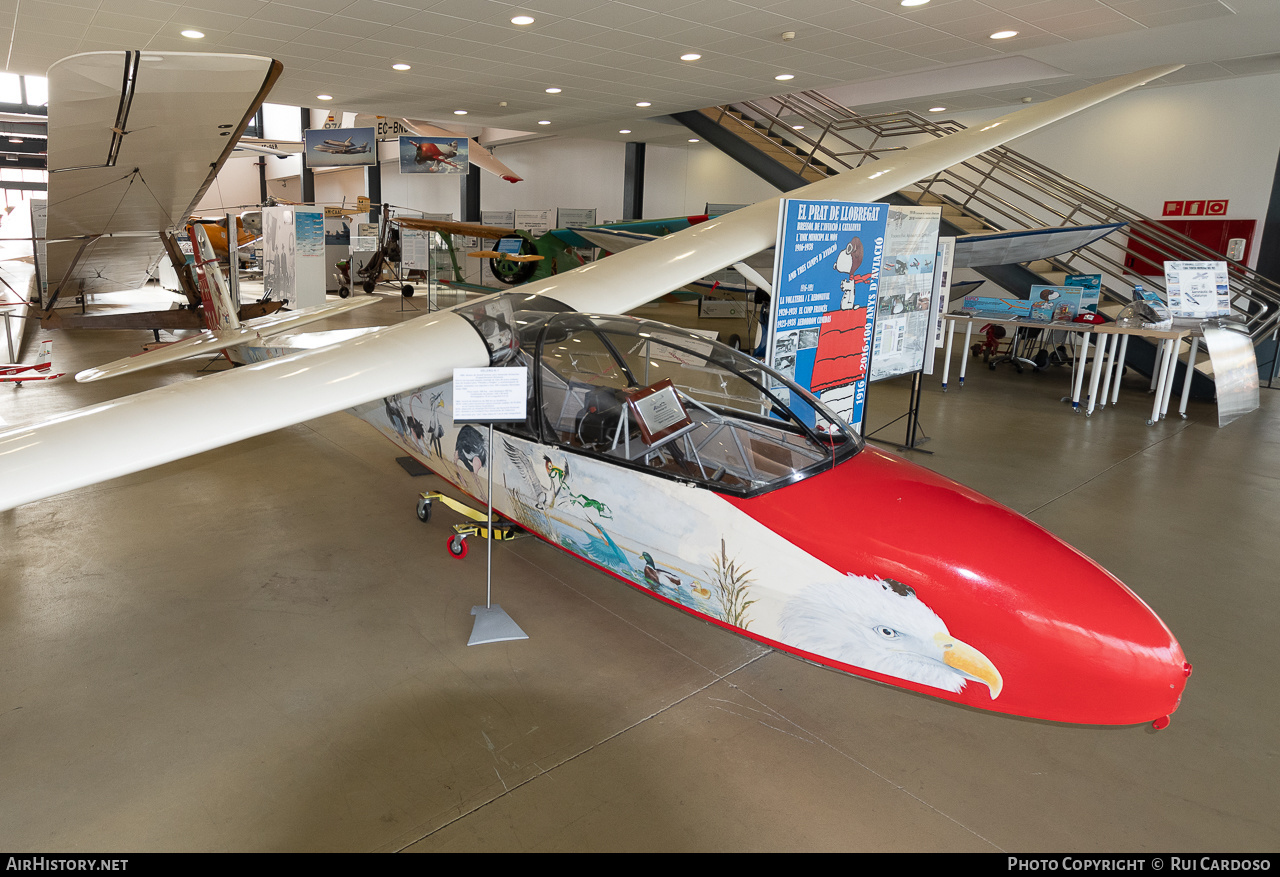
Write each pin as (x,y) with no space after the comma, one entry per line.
(1034,627)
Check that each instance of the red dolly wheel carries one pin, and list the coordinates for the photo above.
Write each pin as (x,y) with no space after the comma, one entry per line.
(457,546)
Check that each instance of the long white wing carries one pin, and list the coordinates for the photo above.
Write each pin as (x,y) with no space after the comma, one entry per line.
(178,420)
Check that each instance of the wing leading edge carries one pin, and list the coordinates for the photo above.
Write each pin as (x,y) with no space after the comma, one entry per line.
(137,432)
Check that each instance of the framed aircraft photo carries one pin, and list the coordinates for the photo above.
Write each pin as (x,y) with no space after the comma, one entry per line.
(339,147)
(433,155)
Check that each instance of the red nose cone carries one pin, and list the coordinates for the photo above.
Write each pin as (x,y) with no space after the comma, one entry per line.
(1068,641)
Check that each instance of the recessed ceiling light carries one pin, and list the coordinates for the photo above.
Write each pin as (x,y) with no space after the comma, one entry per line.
(913,2)
(545,122)
(693,139)
(783,77)
(401,67)
(1004,34)
(324,97)
(623,131)
(553,91)
(690,56)
(797,127)
(193,34)
(522,19)
(459,112)
(19,139)
(937,109)
(643,103)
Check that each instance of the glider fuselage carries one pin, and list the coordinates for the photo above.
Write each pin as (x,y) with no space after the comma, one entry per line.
(837,553)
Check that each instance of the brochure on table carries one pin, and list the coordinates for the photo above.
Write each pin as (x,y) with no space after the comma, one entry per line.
(825,285)
(905,303)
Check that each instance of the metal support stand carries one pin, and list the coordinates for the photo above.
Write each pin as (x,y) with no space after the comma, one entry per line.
(492,625)
(915,435)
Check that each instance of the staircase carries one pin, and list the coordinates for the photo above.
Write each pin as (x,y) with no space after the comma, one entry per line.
(1000,190)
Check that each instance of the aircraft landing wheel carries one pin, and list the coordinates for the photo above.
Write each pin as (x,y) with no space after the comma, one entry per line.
(369,285)
(735,341)
(406,291)
(457,546)
(424,510)
(344,292)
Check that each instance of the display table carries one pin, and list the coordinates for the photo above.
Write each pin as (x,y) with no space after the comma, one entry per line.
(1106,372)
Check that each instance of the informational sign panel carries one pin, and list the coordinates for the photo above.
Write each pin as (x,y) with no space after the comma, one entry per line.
(941,295)
(1062,303)
(339,147)
(293,255)
(905,304)
(499,218)
(490,395)
(1197,289)
(415,249)
(825,286)
(433,155)
(575,217)
(536,222)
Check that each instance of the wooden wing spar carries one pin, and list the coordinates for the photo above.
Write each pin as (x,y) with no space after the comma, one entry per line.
(135,140)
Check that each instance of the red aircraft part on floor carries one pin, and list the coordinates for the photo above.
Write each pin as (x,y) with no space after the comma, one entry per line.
(1071,642)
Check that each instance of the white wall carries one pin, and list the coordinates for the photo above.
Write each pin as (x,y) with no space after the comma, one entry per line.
(1207,140)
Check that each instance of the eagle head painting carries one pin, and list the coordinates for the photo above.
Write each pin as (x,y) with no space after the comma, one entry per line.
(881,625)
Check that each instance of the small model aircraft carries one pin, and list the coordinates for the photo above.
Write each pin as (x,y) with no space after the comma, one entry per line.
(41,370)
(342,147)
(698,475)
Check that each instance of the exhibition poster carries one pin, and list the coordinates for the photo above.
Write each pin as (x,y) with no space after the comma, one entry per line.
(339,147)
(433,155)
(536,222)
(1091,290)
(905,304)
(826,277)
(941,295)
(1197,289)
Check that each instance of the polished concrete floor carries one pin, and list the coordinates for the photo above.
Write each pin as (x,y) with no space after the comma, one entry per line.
(261,648)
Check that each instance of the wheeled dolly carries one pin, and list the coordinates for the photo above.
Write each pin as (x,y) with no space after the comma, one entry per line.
(457,543)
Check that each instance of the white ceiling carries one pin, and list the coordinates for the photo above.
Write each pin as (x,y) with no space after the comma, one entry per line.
(607,55)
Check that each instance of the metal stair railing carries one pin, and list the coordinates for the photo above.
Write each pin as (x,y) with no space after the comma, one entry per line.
(1000,190)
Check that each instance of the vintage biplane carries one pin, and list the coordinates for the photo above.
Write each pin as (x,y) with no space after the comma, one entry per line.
(243,342)
(135,140)
(698,475)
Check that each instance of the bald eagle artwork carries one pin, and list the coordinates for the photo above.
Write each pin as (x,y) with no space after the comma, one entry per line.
(884,627)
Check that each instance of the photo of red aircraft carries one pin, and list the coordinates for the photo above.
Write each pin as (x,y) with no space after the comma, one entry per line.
(433,155)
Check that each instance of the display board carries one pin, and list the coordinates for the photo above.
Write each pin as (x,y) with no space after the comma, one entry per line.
(941,296)
(1090,286)
(825,286)
(905,305)
(293,255)
(1197,289)
(536,222)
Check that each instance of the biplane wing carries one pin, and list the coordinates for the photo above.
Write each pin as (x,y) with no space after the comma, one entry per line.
(136,432)
(135,140)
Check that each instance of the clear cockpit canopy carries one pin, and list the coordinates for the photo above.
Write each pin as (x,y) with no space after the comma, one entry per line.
(668,400)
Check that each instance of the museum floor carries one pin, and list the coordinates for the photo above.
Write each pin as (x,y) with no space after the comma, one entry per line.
(262,648)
